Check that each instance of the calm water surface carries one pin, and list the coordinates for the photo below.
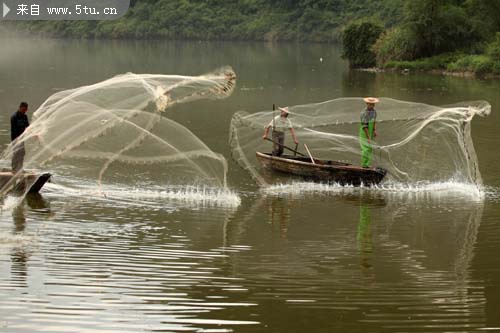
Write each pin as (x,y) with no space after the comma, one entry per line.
(304,260)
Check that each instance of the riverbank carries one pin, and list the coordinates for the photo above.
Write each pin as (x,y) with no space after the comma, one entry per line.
(454,64)
(408,71)
(461,65)
(456,38)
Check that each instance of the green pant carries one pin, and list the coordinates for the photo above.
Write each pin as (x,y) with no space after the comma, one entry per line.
(366,148)
(364,235)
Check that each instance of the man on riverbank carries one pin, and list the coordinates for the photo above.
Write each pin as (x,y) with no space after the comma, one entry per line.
(280,124)
(368,131)
(18,124)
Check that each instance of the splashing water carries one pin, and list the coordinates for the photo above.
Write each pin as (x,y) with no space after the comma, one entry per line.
(114,132)
(154,197)
(435,190)
(418,144)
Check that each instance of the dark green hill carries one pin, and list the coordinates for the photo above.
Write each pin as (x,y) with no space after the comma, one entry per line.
(292,20)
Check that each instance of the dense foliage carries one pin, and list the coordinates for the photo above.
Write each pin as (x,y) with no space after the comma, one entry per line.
(292,20)
(455,35)
(358,39)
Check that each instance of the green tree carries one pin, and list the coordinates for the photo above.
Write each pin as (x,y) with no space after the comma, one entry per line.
(394,44)
(484,16)
(493,49)
(357,41)
(437,26)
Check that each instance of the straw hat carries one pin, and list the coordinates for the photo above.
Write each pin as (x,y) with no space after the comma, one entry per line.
(371,100)
(285,109)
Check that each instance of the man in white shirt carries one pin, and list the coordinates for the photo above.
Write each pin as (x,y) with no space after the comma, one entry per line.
(280,124)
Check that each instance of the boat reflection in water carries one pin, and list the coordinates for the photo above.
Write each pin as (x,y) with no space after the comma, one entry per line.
(386,260)
(366,260)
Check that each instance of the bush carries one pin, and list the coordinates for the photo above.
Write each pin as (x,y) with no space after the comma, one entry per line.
(358,40)
(496,67)
(484,16)
(425,64)
(478,64)
(394,45)
(493,49)
(436,26)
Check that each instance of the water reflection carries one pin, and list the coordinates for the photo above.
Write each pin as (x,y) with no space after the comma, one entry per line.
(360,83)
(279,214)
(19,255)
(90,267)
(37,202)
(365,242)
(19,238)
(373,257)
(364,237)
(385,263)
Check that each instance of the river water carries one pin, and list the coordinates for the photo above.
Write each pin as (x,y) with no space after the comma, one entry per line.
(302,260)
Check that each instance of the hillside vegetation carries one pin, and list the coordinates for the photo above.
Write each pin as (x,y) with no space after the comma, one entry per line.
(446,35)
(290,20)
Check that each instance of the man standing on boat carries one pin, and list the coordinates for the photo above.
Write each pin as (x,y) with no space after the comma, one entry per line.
(368,131)
(280,124)
(18,124)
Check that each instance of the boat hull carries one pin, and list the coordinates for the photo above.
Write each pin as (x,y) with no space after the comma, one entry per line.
(323,171)
(27,182)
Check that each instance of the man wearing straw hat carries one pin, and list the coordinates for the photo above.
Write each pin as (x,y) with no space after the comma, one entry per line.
(368,130)
(280,124)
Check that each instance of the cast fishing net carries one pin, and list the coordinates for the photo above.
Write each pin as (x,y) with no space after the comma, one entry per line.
(115,131)
(416,143)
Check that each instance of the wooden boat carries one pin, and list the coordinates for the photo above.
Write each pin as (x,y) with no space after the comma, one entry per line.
(323,170)
(27,181)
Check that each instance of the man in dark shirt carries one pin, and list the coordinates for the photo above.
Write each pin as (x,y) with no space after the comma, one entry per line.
(18,124)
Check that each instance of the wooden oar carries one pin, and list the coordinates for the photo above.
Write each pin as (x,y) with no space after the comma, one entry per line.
(279,144)
(309,153)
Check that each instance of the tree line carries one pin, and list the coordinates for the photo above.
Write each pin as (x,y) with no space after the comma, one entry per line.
(453,35)
(256,20)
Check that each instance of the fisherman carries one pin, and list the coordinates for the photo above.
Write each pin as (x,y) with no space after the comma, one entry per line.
(18,124)
(368,130)
(280,124)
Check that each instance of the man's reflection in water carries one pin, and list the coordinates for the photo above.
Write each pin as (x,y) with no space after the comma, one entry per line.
(279,213)
(364,237)
(20,254)
(364,242)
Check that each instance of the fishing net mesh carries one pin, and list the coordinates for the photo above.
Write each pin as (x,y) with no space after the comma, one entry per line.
(416,142)
(115,130)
